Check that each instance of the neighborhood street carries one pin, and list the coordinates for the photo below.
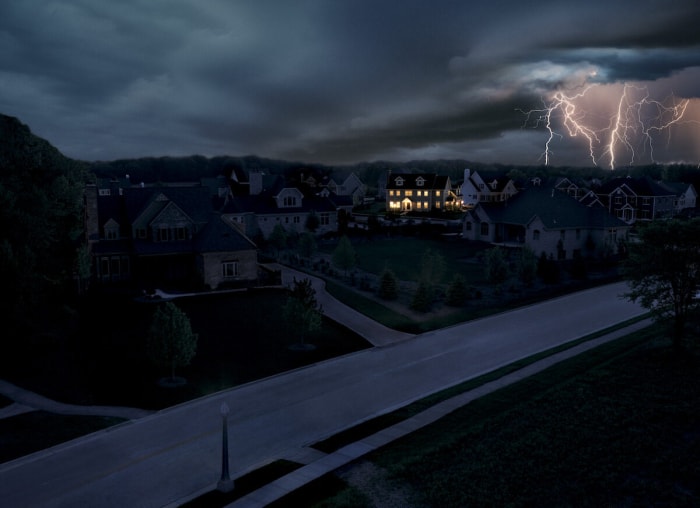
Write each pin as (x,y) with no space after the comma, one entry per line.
(165,457)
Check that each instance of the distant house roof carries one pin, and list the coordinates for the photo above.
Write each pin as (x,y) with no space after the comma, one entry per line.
(555,209)
(416,181)
(640,186)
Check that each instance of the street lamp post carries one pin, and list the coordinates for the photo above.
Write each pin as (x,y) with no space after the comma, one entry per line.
(225,482)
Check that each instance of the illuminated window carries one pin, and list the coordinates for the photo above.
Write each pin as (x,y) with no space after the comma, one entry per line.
(409,193)
(437,193)
(391,192)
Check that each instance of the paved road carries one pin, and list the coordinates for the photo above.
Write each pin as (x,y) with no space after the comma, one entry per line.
(164,457)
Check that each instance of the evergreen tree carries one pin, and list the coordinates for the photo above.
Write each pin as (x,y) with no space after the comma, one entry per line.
(422,298)
(388,285)
(456,291)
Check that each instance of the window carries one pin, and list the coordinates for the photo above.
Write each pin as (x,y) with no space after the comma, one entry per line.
(409,193)
(536,234)
(289,201)
(181,233)
(162,234)
(484,229)
(105,192)
(296,219)
(425,204)
(420,181)
(578,234)
(286,220)
(398,181)
(325,219)
(229,269)
(141,233)
(419,205)
(437,193)
(469,226)
(111,233)
(391,192)
(437,204)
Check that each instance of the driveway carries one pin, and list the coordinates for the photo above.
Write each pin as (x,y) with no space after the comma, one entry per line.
(175,453)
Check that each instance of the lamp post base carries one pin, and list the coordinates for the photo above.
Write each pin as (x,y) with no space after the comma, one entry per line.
(225,485)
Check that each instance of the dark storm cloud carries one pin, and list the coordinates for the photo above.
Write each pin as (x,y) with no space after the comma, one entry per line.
(328,81)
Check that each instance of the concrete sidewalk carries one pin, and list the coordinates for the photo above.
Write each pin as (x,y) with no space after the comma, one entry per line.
(26,401)
(327,463)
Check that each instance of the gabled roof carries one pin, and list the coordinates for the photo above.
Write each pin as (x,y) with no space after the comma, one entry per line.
(411,181)
(195,201)
(555,209)
(640,186)
(220,236)
(264,204)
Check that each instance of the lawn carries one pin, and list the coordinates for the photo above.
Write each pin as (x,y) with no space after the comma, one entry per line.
(404,255)
(241,338)
(607,428)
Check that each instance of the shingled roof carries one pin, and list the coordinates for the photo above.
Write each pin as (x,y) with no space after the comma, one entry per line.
(555,209)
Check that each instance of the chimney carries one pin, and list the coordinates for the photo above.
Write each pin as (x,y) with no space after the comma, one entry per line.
(92,225)
(255,182)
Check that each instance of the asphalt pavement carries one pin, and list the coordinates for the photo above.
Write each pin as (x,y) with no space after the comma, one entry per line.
(164,458)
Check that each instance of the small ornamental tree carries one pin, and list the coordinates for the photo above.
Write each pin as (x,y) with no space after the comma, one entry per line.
(171,342)
(344,257)
(388,285)
(422,298)
(302,312)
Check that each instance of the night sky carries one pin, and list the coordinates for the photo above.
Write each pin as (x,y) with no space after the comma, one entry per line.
(340,81)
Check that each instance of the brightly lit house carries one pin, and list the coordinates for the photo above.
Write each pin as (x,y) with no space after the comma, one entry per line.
(418,193)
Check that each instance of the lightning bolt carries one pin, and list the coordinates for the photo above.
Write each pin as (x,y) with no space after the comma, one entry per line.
(631,125)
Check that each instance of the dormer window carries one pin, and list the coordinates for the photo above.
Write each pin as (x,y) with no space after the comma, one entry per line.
(420,181)
(398,181)
(111,229)
(105,192)
(289,201)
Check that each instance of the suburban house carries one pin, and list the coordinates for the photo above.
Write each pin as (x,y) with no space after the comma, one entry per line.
(165,235)
(352,186)
(548,221)
(269,200)
(477,190)
(686,195)
(418,193)
(633,199)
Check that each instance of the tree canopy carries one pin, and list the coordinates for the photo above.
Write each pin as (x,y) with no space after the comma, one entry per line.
(171,342)
(663,271)
(41,203)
